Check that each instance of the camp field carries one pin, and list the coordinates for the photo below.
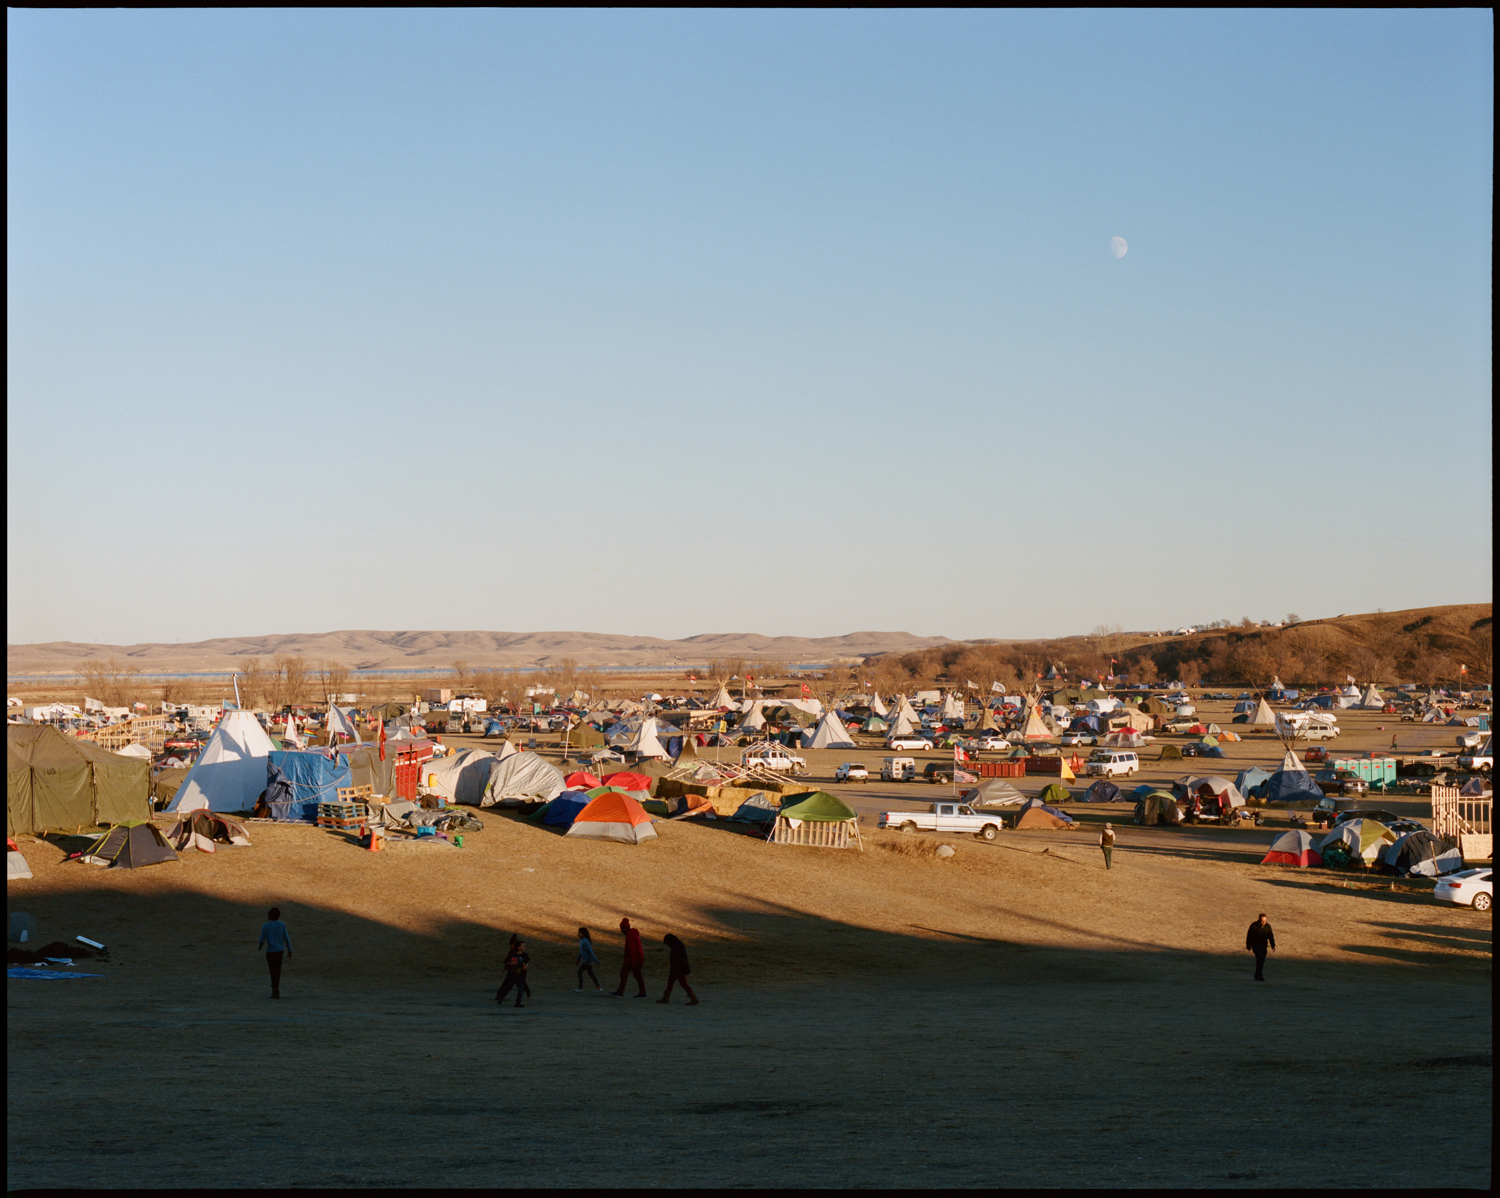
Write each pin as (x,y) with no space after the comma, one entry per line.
(1012,1016)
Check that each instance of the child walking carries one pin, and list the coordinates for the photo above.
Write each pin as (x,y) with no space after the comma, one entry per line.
(587,959)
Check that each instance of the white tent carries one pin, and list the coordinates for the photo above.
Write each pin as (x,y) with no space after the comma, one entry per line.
(1035,728)
(1371,700)
(522,778)
(135,751)
(644,743)
(460,777)
(1105,705)
(877,707)
(722,698)
(1263,714)
(900,724)
(902,708)
(755,718)
(1351,690)
(341,723)
(953,708)
(230,773)
(829,734)
(1292,762)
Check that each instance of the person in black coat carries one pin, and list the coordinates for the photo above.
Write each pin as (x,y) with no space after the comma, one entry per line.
(1259,940)
(677,969)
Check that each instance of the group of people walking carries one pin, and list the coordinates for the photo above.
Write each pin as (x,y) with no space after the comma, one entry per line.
(632,966)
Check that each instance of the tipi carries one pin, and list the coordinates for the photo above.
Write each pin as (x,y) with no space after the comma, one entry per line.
(829,734)
(230,773)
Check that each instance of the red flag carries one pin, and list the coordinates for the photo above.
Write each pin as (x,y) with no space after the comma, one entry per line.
(806,690)
(382,740)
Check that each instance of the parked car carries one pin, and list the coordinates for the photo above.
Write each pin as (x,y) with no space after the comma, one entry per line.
(1179,723)
(944,817)
(1396,823)
(938,771)
(909,743)
(994,744)
(1333,781)
(851,771)
(1079,738)
(775,758)
(1106,763)
(1471,888)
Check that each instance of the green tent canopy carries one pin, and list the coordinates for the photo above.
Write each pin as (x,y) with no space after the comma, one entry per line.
(1055,793)
(817,806)
(54,781)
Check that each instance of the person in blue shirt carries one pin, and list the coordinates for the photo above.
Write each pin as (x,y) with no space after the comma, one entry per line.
(277,941)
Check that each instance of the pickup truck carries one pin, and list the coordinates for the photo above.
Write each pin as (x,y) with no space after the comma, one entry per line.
(774,758)
(944,817)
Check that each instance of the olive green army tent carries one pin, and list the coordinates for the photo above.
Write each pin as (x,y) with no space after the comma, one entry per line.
(54,781)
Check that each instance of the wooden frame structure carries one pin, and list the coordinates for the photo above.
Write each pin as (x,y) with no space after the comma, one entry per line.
(822,834)
(149,730)
(1464,821)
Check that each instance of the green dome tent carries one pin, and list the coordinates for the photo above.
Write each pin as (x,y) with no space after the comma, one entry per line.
(819,819)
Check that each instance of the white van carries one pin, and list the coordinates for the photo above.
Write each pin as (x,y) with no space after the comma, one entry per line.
(1107,763)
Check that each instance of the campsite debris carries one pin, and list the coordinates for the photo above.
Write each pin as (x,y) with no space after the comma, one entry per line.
(22,928)
(91,943)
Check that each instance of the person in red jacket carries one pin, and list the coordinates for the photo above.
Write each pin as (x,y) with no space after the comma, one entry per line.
(635,957)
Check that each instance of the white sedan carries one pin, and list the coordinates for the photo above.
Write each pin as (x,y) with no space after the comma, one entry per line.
(1079,738)
(1472,888)
(909,743)
(994,744)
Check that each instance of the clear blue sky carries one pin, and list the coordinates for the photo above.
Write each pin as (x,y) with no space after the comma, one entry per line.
(784,322)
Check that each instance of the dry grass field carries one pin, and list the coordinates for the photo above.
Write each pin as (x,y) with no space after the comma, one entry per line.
(1012,1016)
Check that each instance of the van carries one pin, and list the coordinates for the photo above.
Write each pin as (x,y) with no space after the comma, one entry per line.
(1107,763)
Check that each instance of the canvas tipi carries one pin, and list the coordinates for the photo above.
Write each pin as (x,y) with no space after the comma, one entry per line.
(829,734)
(230,773)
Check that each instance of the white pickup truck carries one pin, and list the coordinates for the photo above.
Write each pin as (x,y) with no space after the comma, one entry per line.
(944,817)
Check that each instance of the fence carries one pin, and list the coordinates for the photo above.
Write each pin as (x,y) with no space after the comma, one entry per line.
(830,834)
(148,730)
(1464,821)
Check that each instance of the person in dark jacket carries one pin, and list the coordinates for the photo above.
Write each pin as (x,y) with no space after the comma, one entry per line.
(635,959)
(1259,940)
(515,973)
(1107,843)
(276,940)
(515,942)
(677,969)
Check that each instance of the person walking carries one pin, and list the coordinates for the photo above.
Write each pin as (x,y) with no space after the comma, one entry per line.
(516,961)
(277,941)
(587,959)
(1260,940)
(635,958)
(1107,843)
(515,941)
(677,969)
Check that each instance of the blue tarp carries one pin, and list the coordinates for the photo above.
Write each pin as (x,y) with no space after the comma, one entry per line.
(494,728)
(296,782)
(45,975)
(564,809)
(1080,722)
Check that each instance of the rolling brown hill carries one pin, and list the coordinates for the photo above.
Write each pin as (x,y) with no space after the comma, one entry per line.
(481,650)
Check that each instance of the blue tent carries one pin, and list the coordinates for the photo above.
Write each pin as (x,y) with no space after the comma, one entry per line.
(1080,722)
(494,728)
(1102,791)
(563,810)
(1246,780)
(1290,786)
(297,781)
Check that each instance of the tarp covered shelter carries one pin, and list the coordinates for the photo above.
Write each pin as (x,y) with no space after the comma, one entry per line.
(613,816)
(54,781)
(460,777)
(583,735)
(130,845)
(366,768)
(1422,854)
(203,829)
(994,792)
(230,773)
(1292,848)
(522,778)
(1032,818)
(816,819)
(298,780)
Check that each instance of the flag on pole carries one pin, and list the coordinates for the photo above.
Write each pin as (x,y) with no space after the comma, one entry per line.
(291,736)
(382,740)
(806,690)
(1463,669)
(997,688)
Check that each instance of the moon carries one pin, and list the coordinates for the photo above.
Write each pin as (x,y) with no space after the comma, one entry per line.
(1118,247)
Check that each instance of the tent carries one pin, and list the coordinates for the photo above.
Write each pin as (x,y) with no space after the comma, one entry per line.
(1421,854)
(1248,779)
(900,724)
(628,780)
(563,810)
(130,845)
(1054,793)
(1292,762)
(994,792)
(902,710)
(230,773)
(877,707)
(135,751)
(1035,728)
(722,699)
(1371,700)
(1245,707)
(645,743)
(1102,791)
(952,708)
(582,780)
(1124,740)
(755,718)
(613,816)
(16,869)
(1292,848)
(1363,838)
(759,808)
(1041,817)
(203,829)
(54,781)
(522,778)
(1290,786)
(298,780)
(1211,785)
(1263,714)
(818,819)
(1170,753)
(1157,807)
(829,734)
(875,725)
(366,768)
(460,777)
(583,735)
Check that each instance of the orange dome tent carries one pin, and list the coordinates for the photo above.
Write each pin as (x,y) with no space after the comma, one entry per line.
(613,816)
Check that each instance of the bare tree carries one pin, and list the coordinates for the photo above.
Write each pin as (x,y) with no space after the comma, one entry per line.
(332,680)
(253,680)
(289,675)
(462,675)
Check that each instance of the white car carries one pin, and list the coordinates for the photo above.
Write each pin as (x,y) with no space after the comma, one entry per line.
(1472,888)
(1079,738)
(995,744)
(851,771)
(909,743)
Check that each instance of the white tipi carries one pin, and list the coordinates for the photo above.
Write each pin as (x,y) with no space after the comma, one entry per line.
(877,707)
(230,773)
(829,734)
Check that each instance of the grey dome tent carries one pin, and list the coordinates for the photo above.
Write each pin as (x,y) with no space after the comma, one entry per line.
(994,792)
(1290,786)
(131,845)
(1421,854)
